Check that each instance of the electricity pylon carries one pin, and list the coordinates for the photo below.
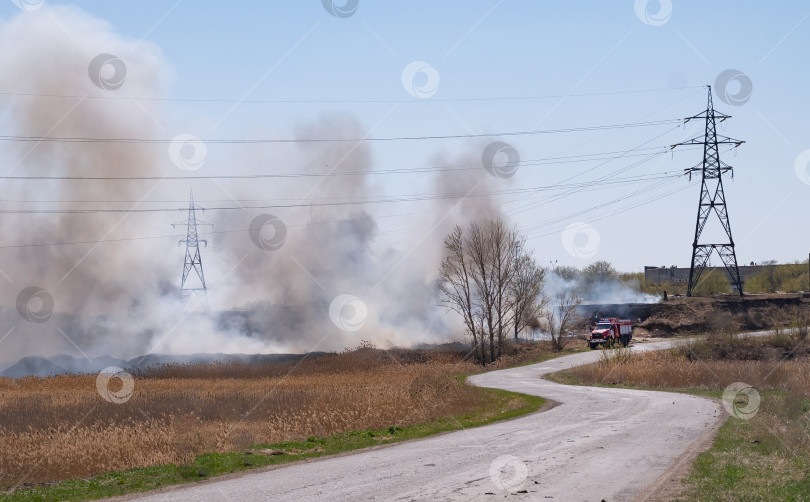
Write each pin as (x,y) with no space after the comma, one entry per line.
(193,259)
(712,198)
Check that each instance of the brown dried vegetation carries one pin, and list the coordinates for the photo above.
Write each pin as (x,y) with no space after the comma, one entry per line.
(779,362)
(59,427)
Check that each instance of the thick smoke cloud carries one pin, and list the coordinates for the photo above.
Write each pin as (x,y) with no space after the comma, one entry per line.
(48,52)
(268,291)
(116,298)
(289,290)
(120,298)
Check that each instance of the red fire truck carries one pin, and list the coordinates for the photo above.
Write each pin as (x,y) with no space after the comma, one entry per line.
(609,331)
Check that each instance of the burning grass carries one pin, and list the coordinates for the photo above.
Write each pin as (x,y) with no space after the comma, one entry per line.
(59,427)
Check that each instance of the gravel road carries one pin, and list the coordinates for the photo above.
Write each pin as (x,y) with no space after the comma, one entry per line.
(598,443)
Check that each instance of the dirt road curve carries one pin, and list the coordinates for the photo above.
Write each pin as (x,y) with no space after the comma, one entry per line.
(611,444)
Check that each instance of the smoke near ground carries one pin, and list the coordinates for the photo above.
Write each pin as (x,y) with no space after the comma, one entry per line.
(121,298)
(48,51)
(318,280)
(605,290)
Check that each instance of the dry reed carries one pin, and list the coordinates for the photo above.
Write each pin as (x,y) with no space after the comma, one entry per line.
(59,427)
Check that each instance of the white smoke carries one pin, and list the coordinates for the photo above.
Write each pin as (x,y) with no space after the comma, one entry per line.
(607,290)
(120,298)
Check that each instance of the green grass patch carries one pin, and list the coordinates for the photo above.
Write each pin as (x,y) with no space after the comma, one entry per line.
(498,405)
(761,459)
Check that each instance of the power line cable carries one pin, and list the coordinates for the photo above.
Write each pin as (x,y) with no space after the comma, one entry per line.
(417,170)
(245,141)
(339,101)
(624,210)
(357,201)
(628,152)
(213,232)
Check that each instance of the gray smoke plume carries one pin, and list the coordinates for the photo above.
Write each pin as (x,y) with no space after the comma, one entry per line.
(293,291)
(50,51)
(618,291)
(608,290)
(316,281)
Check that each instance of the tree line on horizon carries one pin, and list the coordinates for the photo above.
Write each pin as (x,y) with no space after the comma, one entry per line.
(498,288)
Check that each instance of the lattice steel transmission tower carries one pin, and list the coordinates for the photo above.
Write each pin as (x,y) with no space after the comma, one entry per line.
(712,198)
(193,259)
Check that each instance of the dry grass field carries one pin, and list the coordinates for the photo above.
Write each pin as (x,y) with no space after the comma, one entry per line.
(59,427)
(759,363)
(763,456)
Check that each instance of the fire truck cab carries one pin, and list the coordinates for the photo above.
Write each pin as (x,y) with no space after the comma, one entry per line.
(609,331)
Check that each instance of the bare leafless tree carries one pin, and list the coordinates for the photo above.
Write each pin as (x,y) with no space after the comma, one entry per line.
(456,285)
(483,276)
(528,303)
(488,278)
(560,317)
(505,248)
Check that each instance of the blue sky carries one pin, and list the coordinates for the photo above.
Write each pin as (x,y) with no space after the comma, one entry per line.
(508,49)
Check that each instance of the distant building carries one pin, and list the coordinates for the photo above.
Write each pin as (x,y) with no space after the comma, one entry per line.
(673,274)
